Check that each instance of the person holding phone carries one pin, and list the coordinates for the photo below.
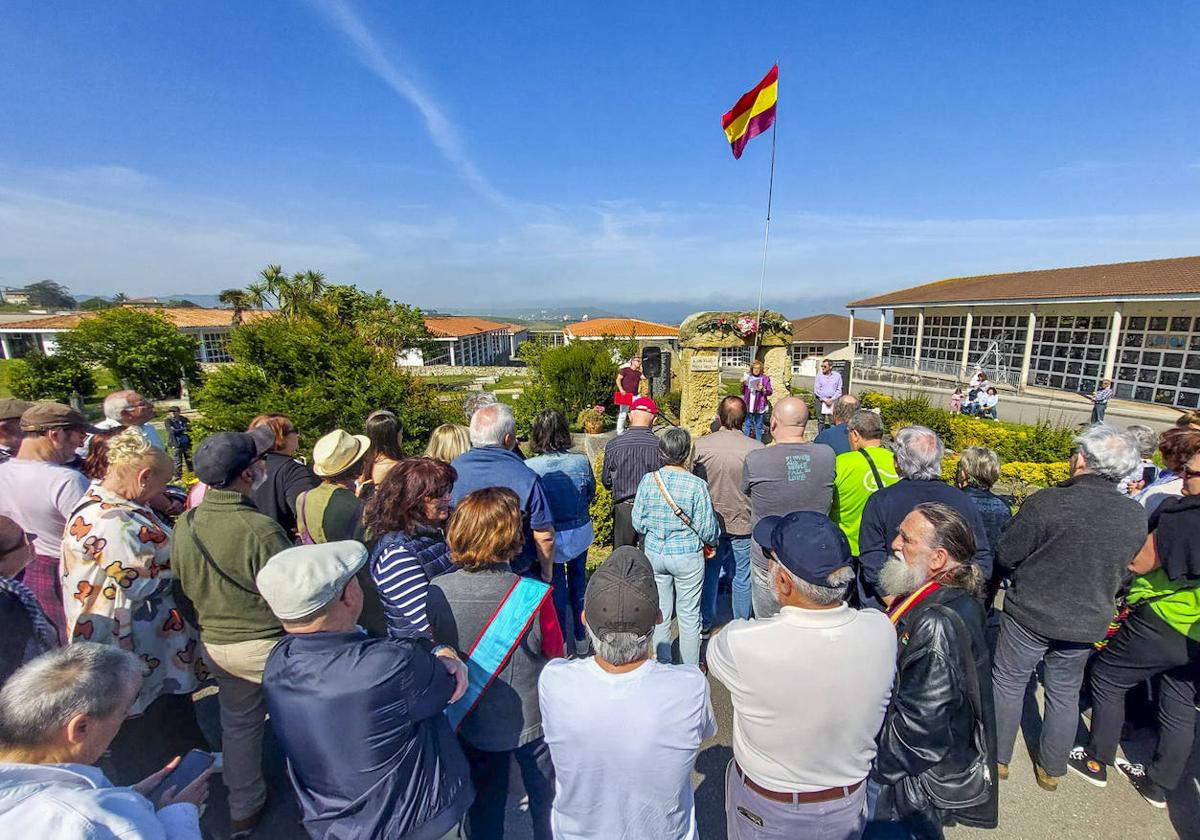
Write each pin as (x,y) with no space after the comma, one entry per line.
(58,714)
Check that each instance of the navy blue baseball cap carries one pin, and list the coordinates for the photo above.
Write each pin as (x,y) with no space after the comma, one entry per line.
(808,544)
(223,456)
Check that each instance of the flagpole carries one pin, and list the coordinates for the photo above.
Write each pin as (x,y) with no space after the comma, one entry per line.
(766,240)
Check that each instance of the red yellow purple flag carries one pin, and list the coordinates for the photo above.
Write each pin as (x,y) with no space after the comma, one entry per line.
(753,114)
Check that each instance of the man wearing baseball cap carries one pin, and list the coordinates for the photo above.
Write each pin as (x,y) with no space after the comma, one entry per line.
(623,729)
(39,492)
(809,688)
(10,426)
(216,552)
(627,459)
(403,773)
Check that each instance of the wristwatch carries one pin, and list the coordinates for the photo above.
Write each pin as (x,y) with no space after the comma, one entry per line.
(438,648)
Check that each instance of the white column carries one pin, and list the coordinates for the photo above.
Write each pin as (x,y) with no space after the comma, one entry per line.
(850,339)
(920,338)
(5,347)
(1114,345)
(966,354)
(452,343)
(882,324)
(1028,351)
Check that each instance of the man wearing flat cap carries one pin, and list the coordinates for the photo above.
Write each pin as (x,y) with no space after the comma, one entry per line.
(623,729)
(10,426)
(370,751)
(38,492)
(217,550)
(809,688)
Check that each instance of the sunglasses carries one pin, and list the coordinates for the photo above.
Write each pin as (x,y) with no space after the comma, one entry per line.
(1188,472)
(26,539)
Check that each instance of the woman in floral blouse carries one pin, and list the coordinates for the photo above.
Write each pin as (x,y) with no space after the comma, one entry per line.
(117,590)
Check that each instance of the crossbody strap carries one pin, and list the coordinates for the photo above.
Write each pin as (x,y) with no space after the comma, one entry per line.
(874,469)
(191,515)
(675,509)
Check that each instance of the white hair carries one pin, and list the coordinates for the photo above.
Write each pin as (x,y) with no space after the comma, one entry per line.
(619,648)
(918,452)
(116,404)
(81,679)
(1108,452)
(491,424)
(838,585)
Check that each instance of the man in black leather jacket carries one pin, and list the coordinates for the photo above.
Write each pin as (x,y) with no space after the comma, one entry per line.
(936,763)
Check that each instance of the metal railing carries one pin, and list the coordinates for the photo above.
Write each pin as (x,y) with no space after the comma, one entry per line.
(1002,376)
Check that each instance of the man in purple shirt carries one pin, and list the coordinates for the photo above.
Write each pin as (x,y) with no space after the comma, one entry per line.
(1100,401)
(827,385)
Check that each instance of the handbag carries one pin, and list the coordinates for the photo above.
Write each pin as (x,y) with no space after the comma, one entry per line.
(972,785)
(709,551)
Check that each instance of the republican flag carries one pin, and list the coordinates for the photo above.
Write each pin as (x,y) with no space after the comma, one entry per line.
(753,114)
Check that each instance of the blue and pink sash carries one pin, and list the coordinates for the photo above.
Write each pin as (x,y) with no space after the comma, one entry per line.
(497,642)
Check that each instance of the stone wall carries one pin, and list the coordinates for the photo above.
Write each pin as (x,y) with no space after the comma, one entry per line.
(700,374)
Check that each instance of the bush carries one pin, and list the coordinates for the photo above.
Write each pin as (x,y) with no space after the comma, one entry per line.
(602,508)
(569,378)
(672,401)
(41,377)
(323,376)
(591,415)
(1013,442)
(1016,473)
(141,349)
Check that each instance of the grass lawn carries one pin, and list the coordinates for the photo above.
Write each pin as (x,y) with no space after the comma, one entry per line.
(105,385)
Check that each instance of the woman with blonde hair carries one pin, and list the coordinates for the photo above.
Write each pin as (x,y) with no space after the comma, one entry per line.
(504,720)
(447,442)
(117,590)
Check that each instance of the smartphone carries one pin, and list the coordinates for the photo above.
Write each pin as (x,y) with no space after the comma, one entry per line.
(187,771)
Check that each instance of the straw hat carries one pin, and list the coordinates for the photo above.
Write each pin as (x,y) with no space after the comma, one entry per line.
(337,452)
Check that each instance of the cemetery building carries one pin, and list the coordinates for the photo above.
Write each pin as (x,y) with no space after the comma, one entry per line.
(465,341)
(1137,323)
(211,327)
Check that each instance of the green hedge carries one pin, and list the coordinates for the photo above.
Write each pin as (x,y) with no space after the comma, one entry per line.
(1013,442)
(602,508)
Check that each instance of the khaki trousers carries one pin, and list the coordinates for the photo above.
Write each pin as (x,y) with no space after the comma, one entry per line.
(239,668)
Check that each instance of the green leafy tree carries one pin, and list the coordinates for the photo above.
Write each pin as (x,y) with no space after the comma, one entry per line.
(237,299)
(141,348)
(41,377)
(49,294)
(319,372)
(95,304)
(570,378)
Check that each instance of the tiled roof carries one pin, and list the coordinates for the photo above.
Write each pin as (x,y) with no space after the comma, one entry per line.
(183,318)
(456,326)
(619,328)
(1151,277)
(830,327)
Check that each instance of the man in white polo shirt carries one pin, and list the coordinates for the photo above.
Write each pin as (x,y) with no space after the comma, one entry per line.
(809,688)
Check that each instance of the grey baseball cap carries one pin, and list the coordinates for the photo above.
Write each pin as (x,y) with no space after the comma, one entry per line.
(622,596)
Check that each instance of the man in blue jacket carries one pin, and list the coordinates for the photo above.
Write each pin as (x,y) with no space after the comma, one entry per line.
(369,750)
(918,453)
(493,462)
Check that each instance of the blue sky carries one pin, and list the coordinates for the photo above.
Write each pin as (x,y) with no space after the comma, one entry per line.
(462,155)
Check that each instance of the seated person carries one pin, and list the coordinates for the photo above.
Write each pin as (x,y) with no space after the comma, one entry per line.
(988,403)
(361,721)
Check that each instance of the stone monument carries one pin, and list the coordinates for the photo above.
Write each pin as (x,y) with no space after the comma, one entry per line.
(701,338)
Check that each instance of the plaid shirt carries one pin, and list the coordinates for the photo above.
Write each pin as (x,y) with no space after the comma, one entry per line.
(664,531)
(1102,396)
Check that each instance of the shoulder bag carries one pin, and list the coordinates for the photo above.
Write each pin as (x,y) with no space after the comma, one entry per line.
(191,515)
(709,551)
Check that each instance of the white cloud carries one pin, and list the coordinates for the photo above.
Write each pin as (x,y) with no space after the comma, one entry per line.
(443,133)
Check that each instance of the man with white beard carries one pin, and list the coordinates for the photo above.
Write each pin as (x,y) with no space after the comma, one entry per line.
(939,731)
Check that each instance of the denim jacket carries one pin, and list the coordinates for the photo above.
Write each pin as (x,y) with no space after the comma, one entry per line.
(570,485)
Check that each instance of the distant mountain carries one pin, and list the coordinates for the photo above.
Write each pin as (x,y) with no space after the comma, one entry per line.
(202,300)
(532,313)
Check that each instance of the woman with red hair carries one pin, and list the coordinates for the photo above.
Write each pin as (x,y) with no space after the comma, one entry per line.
(287,478)
(408,514)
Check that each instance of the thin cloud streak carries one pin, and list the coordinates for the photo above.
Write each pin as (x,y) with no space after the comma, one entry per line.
(443,133)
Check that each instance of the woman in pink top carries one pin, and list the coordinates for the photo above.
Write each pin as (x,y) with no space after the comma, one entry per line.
(756,387)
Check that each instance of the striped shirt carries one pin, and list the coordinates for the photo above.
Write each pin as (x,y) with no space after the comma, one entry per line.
(627,458)
(403,580)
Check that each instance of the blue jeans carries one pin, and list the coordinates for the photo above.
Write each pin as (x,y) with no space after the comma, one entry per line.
(754,425)
(733,555)
(680,579)
(570,579)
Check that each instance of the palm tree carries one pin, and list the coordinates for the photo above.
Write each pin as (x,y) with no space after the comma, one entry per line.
(239,300)
(257,295)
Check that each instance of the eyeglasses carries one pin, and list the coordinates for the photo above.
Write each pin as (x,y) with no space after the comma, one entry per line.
(1188,472)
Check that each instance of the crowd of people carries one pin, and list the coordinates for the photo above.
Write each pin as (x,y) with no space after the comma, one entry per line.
(415,625)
